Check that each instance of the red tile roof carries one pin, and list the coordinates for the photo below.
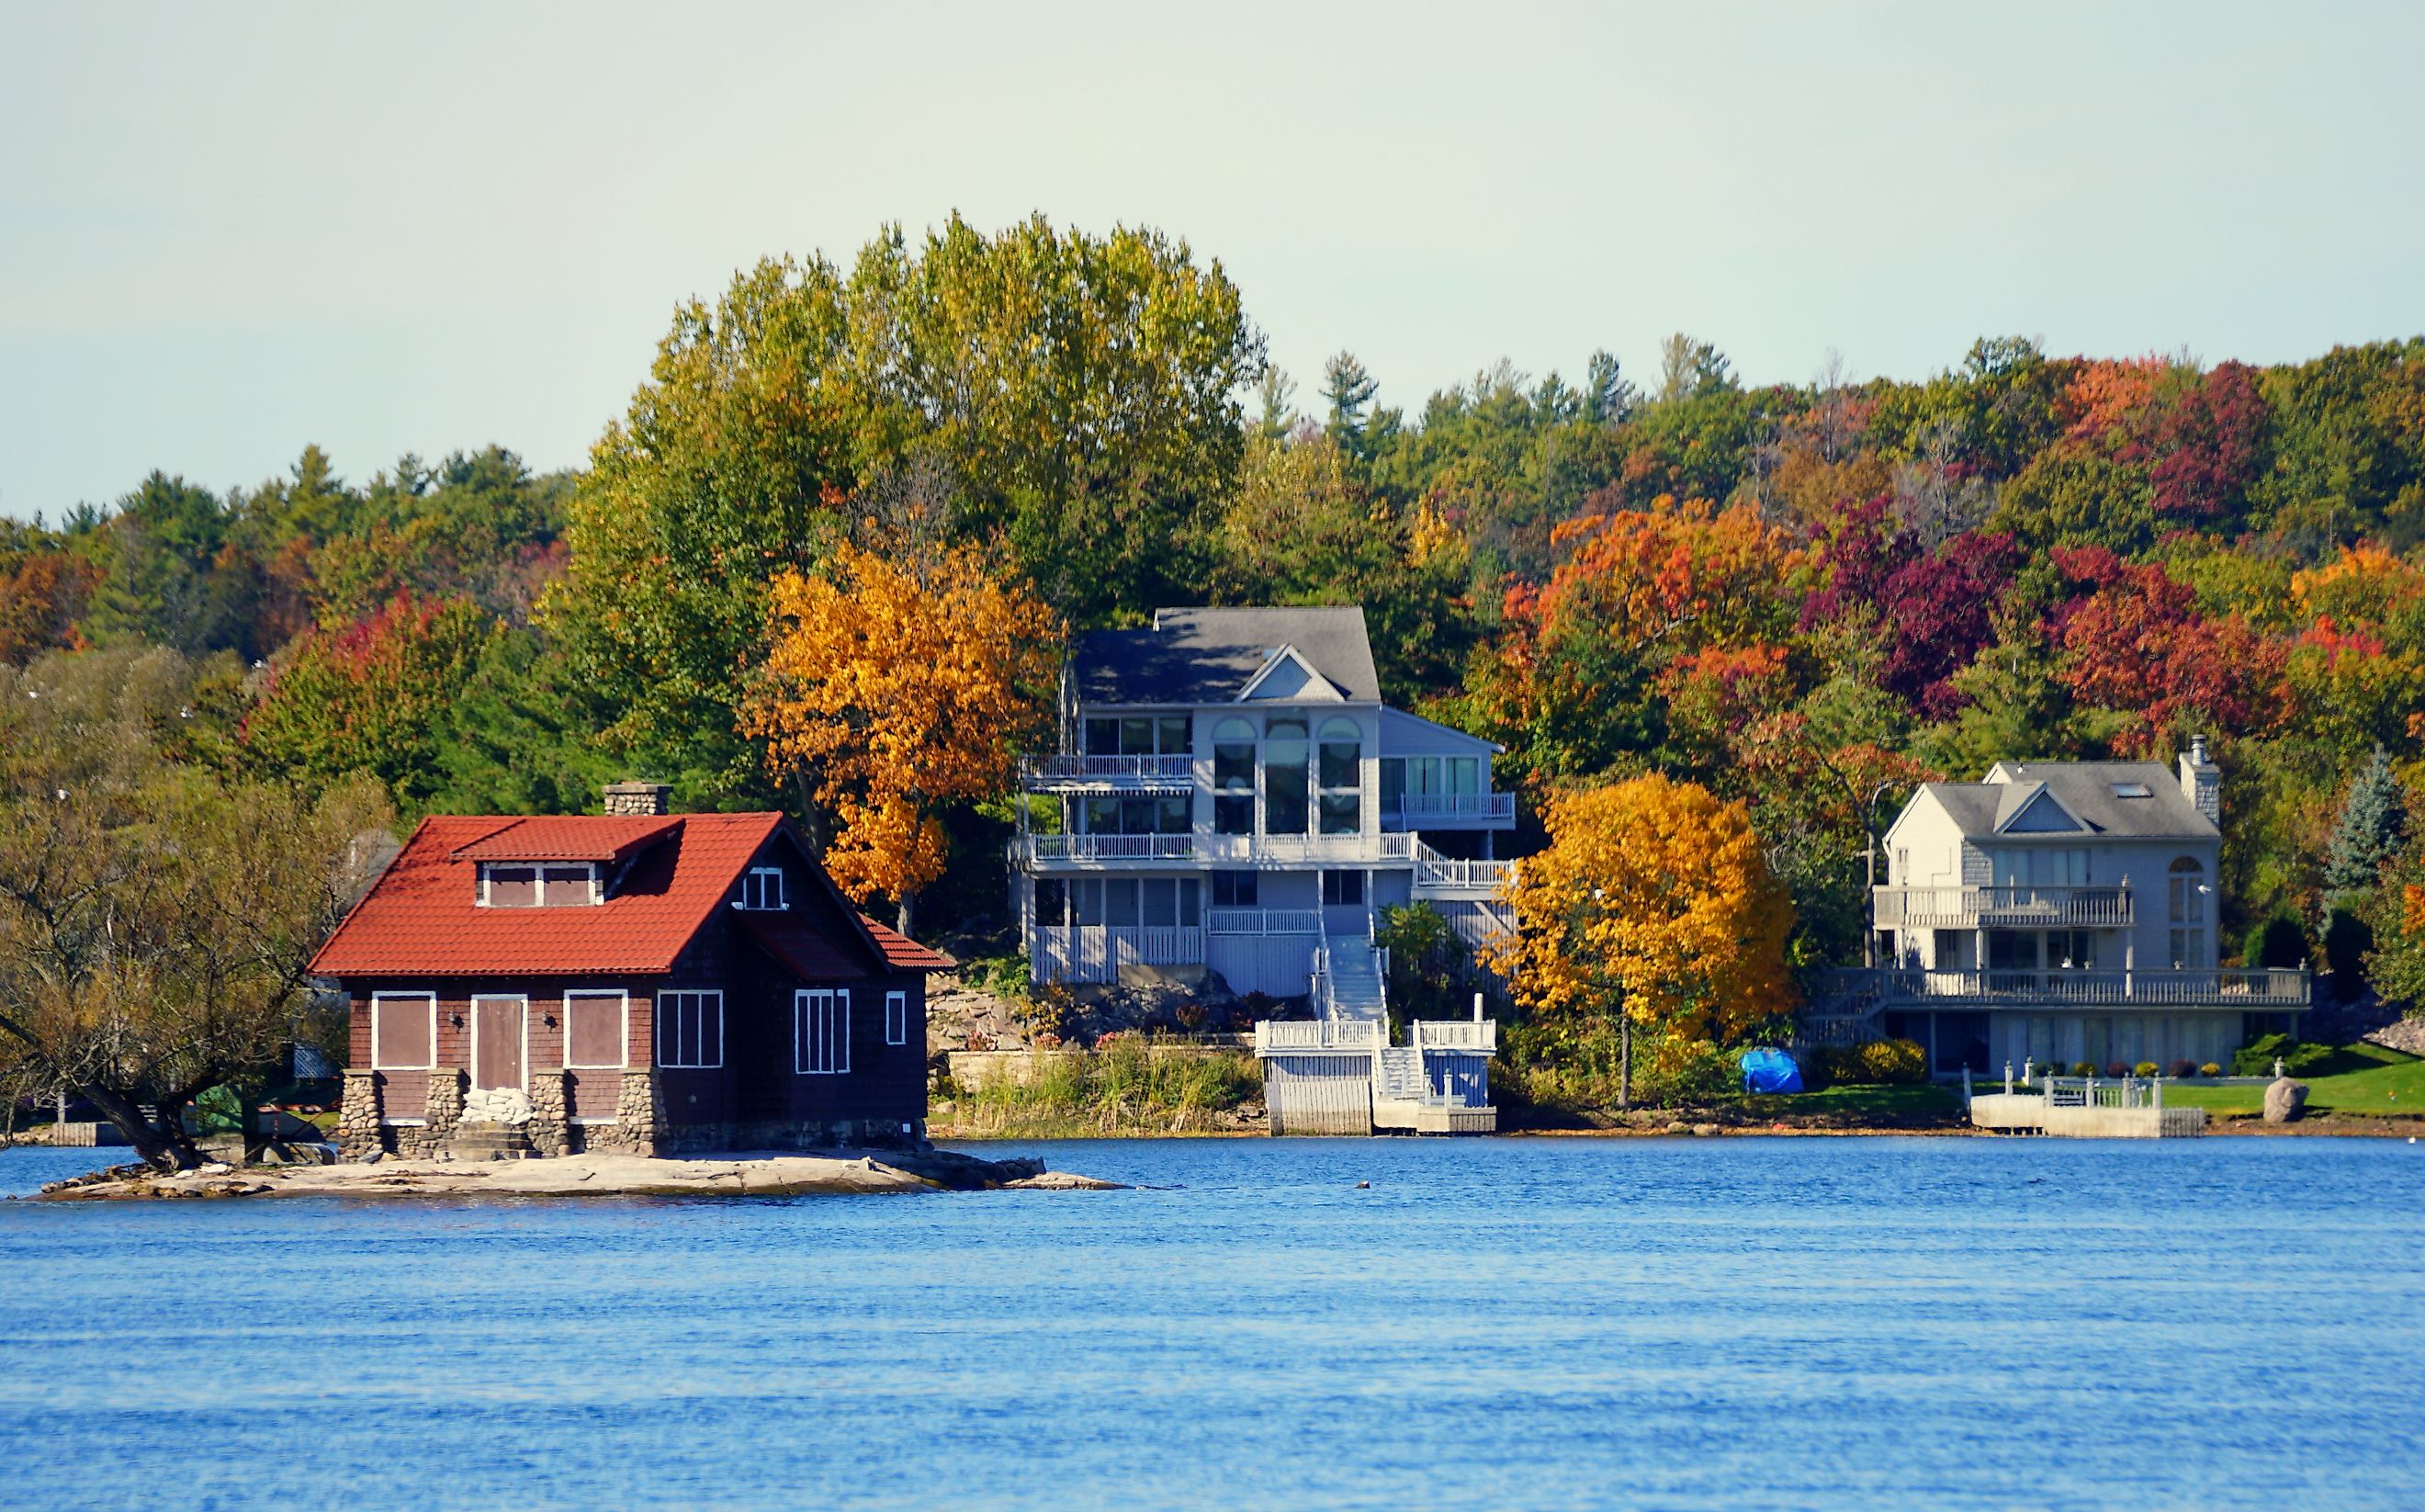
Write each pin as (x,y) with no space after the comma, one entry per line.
(424,919)
(567,838)
(905,954)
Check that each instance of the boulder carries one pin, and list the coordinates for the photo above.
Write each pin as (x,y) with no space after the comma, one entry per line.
(2285,1100)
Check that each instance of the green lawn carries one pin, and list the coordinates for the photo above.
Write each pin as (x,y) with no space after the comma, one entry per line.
(2360,1079)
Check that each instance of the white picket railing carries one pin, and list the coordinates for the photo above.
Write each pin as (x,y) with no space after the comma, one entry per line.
(1456,1034)
(1320,1034)
(1108,769)
(1095,953)
(2221,988)
(1965,907)
(1416,809)
(1263,921)
(1216,850)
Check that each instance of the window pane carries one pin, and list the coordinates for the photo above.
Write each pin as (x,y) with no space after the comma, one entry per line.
(1136,737)
(1233,766)
(1285,727)
(1233,890)
(1191,896)
(1090,895)
(1393,779)
(1137,816)
(1120,903)
(565,887)
(1052,901)
(1338,765)
(1161,902)
(1176,740)
(1102,817)
(1339,815)
(1233,816)
(513,887)
(593,1030)
(1465,774)
(1285,810)
(1423,774)
(1172,817)
(1102,737)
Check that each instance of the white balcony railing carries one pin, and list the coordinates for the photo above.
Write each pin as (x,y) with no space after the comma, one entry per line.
(2222,988)
(1417,810)
(1456,1034)
(1263,921)
(1439,872)
(1280,1035)
(1970,908)
(1060,771)
(1213,850)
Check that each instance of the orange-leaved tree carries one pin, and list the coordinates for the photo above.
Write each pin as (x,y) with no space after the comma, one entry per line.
(1651,907)
(899,681)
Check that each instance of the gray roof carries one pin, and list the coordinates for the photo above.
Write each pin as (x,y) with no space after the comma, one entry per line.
(1196,656)
(2084,788)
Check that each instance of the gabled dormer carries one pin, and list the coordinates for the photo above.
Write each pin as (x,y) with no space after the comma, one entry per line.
(1287,677)
(559,862)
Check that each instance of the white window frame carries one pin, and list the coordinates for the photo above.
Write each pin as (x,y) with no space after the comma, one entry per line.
(430,1002)
(658,1029)
(783,903)
(622,1033)
(896,1017)
(539,883)
(836,1031)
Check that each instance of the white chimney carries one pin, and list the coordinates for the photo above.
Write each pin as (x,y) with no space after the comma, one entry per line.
(2202,782)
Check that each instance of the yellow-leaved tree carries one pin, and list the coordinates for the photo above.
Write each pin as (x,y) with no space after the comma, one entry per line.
(1652,907)
(899,681)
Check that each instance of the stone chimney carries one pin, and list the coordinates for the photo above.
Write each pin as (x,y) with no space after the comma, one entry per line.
(639,799)
(2202,782)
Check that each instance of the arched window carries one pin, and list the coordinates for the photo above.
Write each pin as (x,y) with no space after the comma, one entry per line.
(1233,777)
(1340,767)
(1288,754)
(2186,910)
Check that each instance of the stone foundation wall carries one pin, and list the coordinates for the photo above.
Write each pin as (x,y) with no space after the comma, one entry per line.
(549,1131)
(795,1133)
(443,1110)
(358,1116)
(639,1127)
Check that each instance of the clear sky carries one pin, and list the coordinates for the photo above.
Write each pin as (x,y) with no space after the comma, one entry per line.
(227,230)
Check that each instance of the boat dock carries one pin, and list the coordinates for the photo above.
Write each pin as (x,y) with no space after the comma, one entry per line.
(1342,1076)
(2083,1107)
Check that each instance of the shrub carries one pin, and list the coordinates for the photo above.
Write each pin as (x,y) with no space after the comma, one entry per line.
(2081,1068)
(2297,1058)
(2117,1070)
(2277,944)
(2146,1067)
(2210,1068)
(1892,1061)
(2183,1069)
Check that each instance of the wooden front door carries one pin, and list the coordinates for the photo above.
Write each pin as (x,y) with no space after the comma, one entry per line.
(497,1042)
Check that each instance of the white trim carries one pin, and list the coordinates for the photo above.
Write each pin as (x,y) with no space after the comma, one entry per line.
(657,1030)
(377,1065)
(782,893)
(478,998)
(1317,689)
(896,1017)
(834,1030)
(622,1035)
(539,883)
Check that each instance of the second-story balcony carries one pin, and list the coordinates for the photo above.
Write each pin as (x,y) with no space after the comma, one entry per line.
(1448,811)
(1130,774)
(2002,908)
(1180,852)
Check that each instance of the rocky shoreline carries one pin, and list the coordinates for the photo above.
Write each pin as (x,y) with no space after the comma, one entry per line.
(839,1173)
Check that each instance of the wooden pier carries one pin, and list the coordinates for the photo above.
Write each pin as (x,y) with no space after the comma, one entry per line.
(2083,1107)
(1342,1076)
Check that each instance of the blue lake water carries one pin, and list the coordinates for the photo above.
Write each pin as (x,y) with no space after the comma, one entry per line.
(1510,1322)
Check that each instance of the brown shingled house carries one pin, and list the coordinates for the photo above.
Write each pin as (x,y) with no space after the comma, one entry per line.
(638,980)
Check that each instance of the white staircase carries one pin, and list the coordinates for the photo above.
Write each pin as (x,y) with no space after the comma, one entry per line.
(1351,980)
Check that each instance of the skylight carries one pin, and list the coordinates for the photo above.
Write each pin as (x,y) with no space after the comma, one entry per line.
(2133,789)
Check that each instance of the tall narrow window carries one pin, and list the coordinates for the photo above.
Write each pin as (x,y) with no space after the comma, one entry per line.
(1288,807)
(896,1017)
(690,1030)
(1052,901)
(1340,765)
(820,1032)
(1235,890)
(1393,784)
(2187,912)
(1234,778)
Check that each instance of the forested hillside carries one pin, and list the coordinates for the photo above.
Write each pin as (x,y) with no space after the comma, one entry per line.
(1791,595)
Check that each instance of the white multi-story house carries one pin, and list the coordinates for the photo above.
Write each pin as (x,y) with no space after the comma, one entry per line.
(2057,912)
(1233,797)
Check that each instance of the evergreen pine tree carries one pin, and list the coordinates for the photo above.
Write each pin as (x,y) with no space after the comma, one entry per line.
(2373,819)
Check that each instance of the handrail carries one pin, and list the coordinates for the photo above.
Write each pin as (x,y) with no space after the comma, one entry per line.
(1264,921)
(2230,987)
(1174,767)
(1952,905)
(1457,805)
(1213,849)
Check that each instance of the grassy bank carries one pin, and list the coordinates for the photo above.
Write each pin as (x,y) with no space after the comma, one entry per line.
(1122,1088)
(2361,1080)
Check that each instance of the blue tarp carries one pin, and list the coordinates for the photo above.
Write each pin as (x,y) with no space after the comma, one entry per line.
(1770,1070)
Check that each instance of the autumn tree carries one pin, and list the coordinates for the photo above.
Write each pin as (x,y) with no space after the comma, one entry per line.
(156,918)
(897,683)
(1653,907)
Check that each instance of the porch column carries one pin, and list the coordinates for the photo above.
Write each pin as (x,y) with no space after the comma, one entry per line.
(443,1111)
(358,1116)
